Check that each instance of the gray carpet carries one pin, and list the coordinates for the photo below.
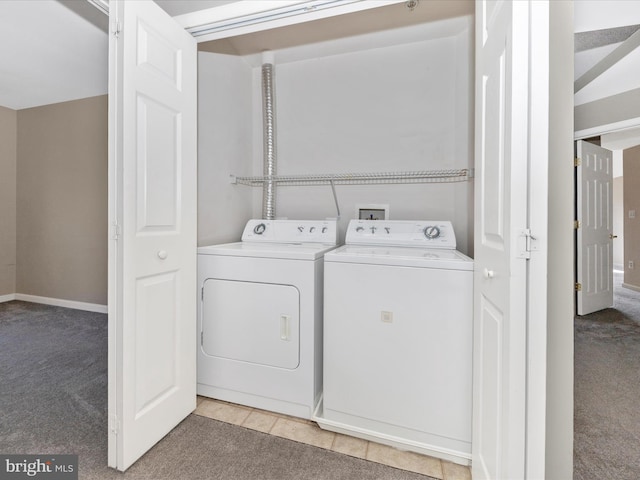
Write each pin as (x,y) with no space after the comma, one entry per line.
(607,390)
(53,399)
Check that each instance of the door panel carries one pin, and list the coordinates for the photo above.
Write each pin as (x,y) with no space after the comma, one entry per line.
(500,281)
(594,180)
(152,259)
(157,166)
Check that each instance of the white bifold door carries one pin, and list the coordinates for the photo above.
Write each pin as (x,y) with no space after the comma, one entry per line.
(501,220)
(594,188)
(152,210)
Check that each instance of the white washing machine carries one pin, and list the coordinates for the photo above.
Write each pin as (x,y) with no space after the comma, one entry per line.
(260,316)
(398,306)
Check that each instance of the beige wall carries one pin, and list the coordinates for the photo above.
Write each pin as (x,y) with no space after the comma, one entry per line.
(8,158)
(631,168)
(62,201)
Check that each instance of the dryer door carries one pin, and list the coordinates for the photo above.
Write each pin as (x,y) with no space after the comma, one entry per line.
(251,322)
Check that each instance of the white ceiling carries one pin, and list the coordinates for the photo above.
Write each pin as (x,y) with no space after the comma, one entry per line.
(56,50)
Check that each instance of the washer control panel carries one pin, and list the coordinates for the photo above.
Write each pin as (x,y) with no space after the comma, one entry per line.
(404,233)
(291,231)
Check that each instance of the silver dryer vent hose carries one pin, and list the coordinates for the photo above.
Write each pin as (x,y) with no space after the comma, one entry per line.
(269,142)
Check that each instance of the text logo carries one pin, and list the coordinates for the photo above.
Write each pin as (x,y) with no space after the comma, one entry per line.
(39,467)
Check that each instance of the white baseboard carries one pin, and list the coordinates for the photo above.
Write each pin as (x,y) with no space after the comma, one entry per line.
(631,287)
(7,298)
(89,307)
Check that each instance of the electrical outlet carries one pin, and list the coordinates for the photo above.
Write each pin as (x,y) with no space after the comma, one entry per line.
(631,265)
(632,214)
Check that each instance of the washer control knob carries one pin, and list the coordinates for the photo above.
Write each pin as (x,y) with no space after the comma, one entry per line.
(431,232)
(359,229)
(259,229)
(300,229)
(312,229)
(324,229)
(373,229)
(387,229)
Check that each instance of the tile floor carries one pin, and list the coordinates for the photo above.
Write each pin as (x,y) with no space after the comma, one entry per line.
(306,431)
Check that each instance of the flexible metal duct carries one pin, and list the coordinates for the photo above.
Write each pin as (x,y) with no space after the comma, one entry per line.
(269,142)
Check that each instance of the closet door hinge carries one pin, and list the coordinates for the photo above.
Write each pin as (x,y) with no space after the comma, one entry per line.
(578,287)
(116,231)
(527,243)
(114,424)
(576,224)
(577,162)
(116,28)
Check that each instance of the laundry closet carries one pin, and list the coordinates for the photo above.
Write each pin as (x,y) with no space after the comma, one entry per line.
(347,101)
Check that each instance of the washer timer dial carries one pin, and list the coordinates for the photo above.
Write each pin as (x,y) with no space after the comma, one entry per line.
(431,232)
(259,229)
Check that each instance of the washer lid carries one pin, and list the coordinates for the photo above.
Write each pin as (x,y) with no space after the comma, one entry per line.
(401,256)
(291,251)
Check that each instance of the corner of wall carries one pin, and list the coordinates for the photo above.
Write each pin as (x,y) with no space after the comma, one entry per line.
(8,200)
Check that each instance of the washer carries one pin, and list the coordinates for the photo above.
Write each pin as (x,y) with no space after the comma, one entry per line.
(398,338)
(260,316)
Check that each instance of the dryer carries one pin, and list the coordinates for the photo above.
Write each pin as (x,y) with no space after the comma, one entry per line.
(398,338)
(260,316)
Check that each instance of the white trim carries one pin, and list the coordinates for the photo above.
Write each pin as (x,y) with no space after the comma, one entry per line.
(101,5)
(605,129)
(239,18)
(7,298)
(58,302)
(538,198)
(631,287)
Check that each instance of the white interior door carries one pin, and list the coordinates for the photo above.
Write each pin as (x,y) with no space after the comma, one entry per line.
(152,259)
(594,188)
(500,281)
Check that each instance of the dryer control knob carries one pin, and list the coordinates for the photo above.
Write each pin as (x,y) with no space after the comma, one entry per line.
(431,232)
(259,229)
(359,229)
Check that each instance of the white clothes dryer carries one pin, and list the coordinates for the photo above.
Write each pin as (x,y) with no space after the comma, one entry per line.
(398,306)
(260,316)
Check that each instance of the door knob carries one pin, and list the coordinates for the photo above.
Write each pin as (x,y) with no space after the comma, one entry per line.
(162,254)
(612,236)
(488,273)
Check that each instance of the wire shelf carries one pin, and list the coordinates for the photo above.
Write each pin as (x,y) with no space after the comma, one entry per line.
(431,176)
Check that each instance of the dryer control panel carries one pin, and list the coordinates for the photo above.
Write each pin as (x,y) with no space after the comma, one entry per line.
(291,231)
(403,233)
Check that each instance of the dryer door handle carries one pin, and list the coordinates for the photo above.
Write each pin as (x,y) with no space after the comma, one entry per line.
(285,327)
